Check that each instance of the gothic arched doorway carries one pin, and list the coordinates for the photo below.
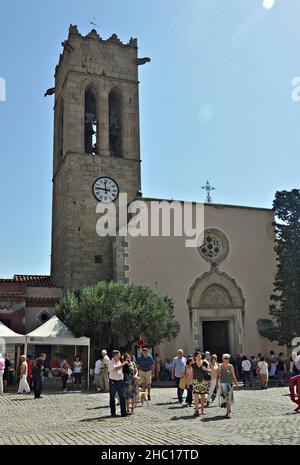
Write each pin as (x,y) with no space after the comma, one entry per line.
(216,305)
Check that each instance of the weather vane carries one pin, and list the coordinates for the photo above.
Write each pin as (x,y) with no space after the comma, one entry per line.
(94,22)
(208,188)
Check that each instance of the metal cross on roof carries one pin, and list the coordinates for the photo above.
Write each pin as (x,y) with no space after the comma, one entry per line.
(208,188)
(94,22)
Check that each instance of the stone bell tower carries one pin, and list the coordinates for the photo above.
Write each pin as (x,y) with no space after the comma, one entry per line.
(96,136)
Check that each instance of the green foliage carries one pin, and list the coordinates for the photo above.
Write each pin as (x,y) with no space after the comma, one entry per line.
(285,307)
(115,315)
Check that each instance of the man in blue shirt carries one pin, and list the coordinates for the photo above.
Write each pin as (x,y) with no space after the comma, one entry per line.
(145,365)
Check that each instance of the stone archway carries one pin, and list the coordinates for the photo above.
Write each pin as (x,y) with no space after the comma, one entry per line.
(215,296)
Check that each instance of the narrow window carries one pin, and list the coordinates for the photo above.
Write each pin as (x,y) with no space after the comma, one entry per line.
(91,123)
(61,131)
(115,123)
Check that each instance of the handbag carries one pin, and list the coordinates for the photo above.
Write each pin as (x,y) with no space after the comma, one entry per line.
(206,375)
(183,382)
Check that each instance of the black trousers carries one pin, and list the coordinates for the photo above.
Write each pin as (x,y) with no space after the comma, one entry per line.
(77,378)
(179,391)
(189,397)
(37,386)
(64,379)
(117,387)
(246,377)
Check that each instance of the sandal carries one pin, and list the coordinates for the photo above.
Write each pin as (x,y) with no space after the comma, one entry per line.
(196,414)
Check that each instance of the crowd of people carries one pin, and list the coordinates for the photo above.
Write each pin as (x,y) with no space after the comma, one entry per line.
(201,375)
(124,377)
(32,372)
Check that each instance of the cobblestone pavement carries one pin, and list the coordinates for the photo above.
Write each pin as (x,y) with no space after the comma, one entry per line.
(260,417)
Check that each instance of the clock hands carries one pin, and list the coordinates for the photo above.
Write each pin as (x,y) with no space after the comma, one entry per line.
(105,190)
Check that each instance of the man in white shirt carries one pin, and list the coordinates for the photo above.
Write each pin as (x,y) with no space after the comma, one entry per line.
(97,371)
(207,357)
(246,370)
(116,383)
(263,371)
(178,370)
(104,378)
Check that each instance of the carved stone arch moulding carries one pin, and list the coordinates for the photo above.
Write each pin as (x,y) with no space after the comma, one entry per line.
(215,296)
(115,85)
(94,85)
(216,282)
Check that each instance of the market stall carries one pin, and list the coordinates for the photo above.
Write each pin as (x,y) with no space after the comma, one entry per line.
(55,333)
(10,344)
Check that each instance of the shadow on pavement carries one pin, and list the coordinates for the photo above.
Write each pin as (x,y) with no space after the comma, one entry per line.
(178,406)
(186,417)
(97,408)
(24,398)
(216,418)
(105,417)
(165,403)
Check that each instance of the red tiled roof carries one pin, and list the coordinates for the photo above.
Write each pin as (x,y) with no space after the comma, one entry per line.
(31,280)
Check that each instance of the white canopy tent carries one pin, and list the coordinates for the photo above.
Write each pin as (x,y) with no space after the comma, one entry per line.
(9,336)
(55,332)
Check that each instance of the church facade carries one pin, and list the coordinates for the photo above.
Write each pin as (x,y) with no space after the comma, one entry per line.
(221,288)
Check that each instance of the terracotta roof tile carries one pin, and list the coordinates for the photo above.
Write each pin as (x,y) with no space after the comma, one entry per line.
(31,280)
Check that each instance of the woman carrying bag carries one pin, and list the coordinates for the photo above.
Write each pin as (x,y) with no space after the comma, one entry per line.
(226,380)
(200,376)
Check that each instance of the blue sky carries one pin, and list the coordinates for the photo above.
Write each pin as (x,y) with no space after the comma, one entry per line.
(215,104)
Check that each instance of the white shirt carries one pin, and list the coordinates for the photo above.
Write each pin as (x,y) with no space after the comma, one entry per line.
(106,361)
(116,375)
(297,361)
(179,364)
(263,368)
(246,365)
(98,367)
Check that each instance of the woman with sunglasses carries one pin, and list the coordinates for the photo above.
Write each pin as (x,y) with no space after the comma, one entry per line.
(200,375)
(226,380)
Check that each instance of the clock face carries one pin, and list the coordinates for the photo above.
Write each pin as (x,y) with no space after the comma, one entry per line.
(105,189)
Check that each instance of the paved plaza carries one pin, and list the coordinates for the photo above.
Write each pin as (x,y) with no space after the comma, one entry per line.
(260,417)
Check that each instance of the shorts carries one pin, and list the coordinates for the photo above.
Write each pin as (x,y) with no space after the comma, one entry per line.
(145,377)
(200,387)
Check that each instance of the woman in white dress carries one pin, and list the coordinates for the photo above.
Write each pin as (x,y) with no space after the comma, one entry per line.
(23,385)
